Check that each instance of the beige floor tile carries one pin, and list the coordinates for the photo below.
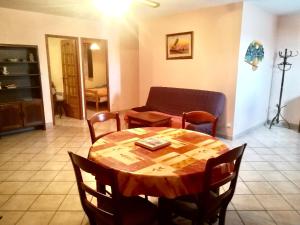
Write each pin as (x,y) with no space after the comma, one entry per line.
(42,157)
(264,151)
(19,202)
(70,218)
(47,202)
(292,175)
(64,157)
(10,218)
(256,218)
(44,176)
(232,218)
(285,187)
(74,190)
(22,157)
(32,166)
(251,176)
(283,166)
(273,202)
(5,174)
(6,157)
(246,202)
(3,199)
(273,176)
(58,188)
(262,166)
(21,175)
(10,187)
(11,165)
(241,188)
(65,176)
(33,187)
(53,166)
(294,200)
(71,203)
(285,217)
(261,188)
(36,218)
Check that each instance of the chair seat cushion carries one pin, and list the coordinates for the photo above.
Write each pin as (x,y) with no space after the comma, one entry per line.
(137,211)
(204,127)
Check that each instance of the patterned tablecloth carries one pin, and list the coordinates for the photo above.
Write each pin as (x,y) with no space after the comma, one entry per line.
(169,172)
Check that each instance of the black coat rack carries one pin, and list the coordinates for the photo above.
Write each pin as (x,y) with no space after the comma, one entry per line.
(284,66)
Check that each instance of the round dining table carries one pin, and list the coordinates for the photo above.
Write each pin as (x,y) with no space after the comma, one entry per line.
(171,171)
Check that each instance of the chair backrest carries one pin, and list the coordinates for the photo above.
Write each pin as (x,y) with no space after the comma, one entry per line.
(198,117)
(212,201)
(106,210)
(101,117)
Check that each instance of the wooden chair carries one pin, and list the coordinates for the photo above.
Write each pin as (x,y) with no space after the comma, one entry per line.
(200,117)
(101,117)
(203,207)
(113,209)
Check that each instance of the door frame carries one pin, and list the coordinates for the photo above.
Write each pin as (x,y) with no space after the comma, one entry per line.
(82,39)
(78,69)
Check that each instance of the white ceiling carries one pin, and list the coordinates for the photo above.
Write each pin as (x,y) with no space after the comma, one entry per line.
(86,9)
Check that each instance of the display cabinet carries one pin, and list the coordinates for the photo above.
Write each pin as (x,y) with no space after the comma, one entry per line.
(21,102)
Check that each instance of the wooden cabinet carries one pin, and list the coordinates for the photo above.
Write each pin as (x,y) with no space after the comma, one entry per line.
(21,103)
(10,116)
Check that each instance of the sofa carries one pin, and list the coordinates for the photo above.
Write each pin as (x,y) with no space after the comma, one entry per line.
(174,101)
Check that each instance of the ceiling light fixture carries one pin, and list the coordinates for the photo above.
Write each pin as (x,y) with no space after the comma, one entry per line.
(94,46)
(149,3)
(113,8)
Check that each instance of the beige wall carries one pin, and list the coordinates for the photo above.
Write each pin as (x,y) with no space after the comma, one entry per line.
(288,36)
(54,48)
(22,27)
(253,87)
(214,65)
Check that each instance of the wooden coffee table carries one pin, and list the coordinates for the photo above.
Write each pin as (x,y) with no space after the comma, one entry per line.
(148,119)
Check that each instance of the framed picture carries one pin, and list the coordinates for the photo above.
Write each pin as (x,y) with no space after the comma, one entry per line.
(180,45)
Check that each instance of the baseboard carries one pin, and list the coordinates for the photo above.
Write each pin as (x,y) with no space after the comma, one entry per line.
(283,124)
(49,125)
(248,130)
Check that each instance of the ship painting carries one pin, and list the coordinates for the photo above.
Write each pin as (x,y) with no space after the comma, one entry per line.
(180,45)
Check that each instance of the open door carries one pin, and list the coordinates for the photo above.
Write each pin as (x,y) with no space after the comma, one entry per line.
(95,75)
(72,100)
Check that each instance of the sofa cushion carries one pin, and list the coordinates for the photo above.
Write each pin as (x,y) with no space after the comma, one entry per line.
(175,101)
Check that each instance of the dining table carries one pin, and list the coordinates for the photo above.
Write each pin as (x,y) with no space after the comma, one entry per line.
(171,171)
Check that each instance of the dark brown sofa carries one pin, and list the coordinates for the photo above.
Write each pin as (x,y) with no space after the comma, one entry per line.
(175,101)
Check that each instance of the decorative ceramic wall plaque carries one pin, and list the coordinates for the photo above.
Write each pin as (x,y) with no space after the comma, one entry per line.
(255,54)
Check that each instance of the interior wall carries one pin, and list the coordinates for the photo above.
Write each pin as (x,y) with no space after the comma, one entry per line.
(288,36)
(214,64)
(129,58)
(54,48)
(23,27)
(99,67)
(253,87)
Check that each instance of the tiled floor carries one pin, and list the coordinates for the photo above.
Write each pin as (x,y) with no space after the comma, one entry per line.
(38,185)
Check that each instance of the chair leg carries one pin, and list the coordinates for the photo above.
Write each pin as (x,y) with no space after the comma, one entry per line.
(222,215)
(164,212)
(92,220)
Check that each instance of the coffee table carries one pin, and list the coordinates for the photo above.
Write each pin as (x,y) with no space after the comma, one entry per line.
(148,119)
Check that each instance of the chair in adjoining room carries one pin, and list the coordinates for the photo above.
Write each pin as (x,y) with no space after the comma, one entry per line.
(101,117)
(207,121)
(113,209)
(204,207)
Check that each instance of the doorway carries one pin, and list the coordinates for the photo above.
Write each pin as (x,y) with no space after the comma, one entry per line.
(64,76)
(95,75)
